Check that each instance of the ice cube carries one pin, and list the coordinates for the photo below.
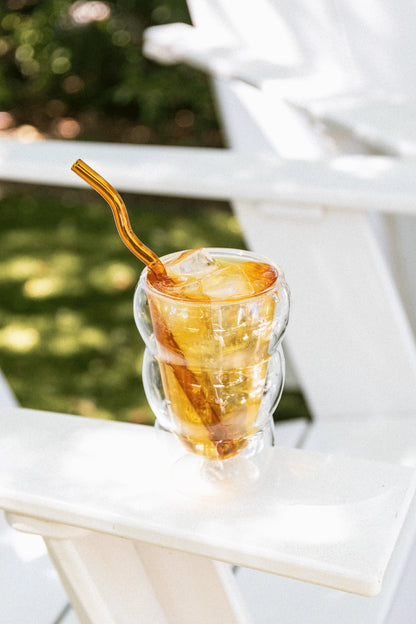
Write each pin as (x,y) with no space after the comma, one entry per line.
(190,290)
(260,274)
(228,283)
(192,263)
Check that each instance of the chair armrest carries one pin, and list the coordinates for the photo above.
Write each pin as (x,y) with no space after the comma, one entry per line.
(321,518)
(349,183)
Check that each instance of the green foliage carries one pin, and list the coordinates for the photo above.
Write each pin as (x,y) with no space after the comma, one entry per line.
(63,59)
(67,336)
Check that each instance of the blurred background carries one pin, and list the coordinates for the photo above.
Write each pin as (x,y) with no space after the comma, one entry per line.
(75,71)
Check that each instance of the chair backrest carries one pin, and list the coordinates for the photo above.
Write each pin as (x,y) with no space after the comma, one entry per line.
(372,42)
(349,339)
(381,46)
(381,41)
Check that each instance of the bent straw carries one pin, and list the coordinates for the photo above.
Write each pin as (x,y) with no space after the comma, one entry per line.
(121,218)
(186,378)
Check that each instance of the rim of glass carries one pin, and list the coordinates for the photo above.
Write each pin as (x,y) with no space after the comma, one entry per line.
(219,251)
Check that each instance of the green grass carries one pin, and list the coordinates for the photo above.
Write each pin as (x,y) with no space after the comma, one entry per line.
(68,342)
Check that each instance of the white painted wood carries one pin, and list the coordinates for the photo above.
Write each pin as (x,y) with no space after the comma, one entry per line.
(288,601)
(205,50)
(113,580)
(391,440)
(30,589)
(351,382)
(338,277)
(380,38)
(383,121)
(386,439)
(193,588)
(307,40)
(105,581)
(386,123)
(337,272)
(256,126)
(354,509)
(118,581)
(350,183)
(328,55)
(7,396)
(336,314)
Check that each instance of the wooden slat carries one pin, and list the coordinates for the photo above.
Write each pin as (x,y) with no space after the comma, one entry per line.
(321,518)
(349,182)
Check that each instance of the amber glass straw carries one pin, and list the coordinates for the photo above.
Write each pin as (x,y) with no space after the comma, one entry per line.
(121,218)
(217,431)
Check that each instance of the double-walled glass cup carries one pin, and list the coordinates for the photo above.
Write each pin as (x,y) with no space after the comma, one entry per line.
(213,368)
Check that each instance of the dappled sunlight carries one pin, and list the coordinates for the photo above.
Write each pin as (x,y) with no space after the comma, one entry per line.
(19,339)
(42,278)
(177,236)
(119,453)
(68,337)
(41,287)
(68,320)
(93,338)
(68,342)
(54,277)
(113,276)
(64,345)
(66,262)
(60,339)
(22,268)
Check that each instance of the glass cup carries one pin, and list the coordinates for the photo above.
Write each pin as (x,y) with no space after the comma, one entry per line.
(213,370)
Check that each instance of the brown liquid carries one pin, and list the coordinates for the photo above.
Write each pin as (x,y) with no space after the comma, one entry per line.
(213,356)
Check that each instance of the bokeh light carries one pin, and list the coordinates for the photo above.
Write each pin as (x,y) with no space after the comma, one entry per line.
(90,11)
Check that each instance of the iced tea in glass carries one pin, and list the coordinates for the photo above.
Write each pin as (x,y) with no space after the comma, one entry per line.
(212,335)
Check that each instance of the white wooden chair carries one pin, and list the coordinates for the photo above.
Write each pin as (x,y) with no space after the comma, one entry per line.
(128,548)
(30,588)
(339,64)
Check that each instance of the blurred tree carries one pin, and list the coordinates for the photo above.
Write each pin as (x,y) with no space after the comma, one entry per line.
(75,69)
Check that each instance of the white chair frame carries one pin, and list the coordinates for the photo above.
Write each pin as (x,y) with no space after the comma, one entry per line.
(337,513)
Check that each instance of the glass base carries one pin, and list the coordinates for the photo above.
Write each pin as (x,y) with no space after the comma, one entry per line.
(199,477)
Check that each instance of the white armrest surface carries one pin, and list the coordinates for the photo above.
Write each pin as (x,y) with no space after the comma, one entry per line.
(387,440)
(321,518)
